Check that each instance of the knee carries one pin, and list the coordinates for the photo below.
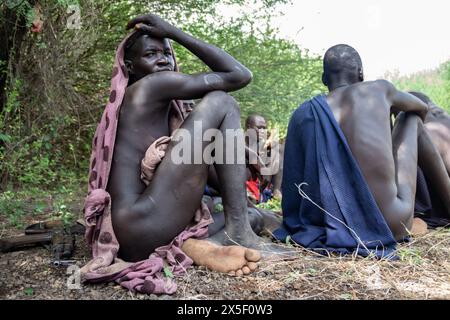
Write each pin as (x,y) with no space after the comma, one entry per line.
(399,217)
(403,117)
(121,218)
(126,218)
(222,101)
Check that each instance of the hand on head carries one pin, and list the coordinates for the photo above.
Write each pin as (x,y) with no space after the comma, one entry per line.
(152,25)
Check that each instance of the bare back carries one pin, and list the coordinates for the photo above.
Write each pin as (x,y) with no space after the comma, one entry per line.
(362,111)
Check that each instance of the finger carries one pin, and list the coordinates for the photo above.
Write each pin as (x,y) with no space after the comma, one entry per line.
(143,28)
(135,21)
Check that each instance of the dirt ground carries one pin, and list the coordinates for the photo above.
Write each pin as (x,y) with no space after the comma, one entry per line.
(423,272)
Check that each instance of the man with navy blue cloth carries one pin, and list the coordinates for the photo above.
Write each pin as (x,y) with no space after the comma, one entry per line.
(349,183)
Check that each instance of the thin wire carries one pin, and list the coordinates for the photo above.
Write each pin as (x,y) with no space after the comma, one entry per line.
(305,196)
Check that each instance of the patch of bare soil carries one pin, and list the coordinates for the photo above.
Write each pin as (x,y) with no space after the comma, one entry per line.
(423,272)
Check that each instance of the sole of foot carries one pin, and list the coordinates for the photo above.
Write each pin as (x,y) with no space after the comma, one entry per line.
(234,260)
(419,227)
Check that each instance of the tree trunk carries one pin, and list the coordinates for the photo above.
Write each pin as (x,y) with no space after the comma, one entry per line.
(12,31)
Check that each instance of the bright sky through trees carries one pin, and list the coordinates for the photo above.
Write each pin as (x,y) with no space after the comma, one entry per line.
(403,35)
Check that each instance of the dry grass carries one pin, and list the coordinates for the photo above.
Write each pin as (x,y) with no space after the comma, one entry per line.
(423,272)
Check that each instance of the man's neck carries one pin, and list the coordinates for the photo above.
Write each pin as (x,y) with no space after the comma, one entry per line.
(339,85)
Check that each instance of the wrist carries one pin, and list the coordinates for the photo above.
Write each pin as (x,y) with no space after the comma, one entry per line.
(170,31)
(177,34)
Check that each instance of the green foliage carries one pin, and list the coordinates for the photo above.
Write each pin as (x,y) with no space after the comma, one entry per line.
(29,154)
(284,75)
(60,83)
(28,291)
(168,273)
(272,205)
(23,9)
(411,255)
(12,208)
(435,84)
(17,207)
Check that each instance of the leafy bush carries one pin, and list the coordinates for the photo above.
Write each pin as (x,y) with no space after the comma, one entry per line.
(58,80)
(434,83)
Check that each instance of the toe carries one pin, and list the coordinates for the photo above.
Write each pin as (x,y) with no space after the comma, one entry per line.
(239,273)
(246,270)
(252,255)
(252,266)
(232,273)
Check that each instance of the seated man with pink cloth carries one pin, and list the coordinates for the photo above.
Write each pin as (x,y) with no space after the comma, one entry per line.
(138,197)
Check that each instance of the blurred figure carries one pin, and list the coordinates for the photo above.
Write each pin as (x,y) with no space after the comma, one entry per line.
(428,204)
(262,187)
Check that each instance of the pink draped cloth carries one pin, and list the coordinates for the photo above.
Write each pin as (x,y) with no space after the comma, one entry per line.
(152,158)
(153,275)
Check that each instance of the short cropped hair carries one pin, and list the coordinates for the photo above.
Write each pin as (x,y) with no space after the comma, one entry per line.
(129,45)
(341,58)
(252,118)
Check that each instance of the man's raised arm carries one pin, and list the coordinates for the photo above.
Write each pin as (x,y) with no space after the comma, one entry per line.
(228,73)
(403,101)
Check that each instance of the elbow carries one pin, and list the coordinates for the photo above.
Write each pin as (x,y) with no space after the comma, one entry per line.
(242,77)
(247,77)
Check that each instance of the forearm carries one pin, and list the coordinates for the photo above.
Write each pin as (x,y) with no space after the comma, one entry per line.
(408,103)
(216,59)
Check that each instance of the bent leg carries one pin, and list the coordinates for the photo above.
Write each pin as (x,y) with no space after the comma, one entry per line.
(400,213)
(434,169)
(168,204)
(278,178)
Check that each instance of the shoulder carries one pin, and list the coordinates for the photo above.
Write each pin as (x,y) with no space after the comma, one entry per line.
(301,111)
(303,107)
(384,85)
(380,84)
(155,85)
(374,87)
(158,78)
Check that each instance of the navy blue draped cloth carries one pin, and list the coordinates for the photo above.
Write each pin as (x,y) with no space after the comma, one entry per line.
(318,160)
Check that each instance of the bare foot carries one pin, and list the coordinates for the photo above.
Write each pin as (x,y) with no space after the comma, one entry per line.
(419,227)
(234,260)
(271,220)
(266,248)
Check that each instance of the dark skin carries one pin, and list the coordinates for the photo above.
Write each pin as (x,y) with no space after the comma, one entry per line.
(437,125)
(259,124)
(362,110)
(145,218)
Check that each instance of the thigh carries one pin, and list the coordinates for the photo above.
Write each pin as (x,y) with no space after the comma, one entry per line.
(169,203)
(399,210)
(405,149)
(441,139)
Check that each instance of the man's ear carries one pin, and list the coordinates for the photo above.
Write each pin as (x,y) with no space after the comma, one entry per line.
(361,74)
(129,66)
(324,79)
